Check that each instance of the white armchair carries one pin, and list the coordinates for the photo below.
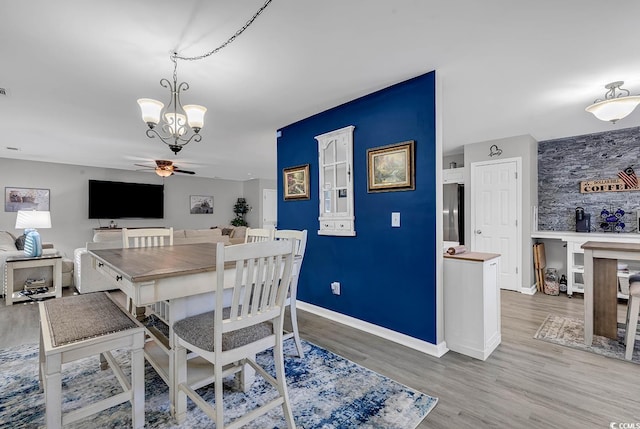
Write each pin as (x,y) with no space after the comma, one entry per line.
(86,278)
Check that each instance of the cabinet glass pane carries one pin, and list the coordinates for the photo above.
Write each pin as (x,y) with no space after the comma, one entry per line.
(341,149)
(341,175)
(341,202)
(327,202)
(329,152)
(329,177)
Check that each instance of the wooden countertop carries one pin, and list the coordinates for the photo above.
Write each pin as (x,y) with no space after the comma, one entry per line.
(620,247)
(473,256)
(588,236)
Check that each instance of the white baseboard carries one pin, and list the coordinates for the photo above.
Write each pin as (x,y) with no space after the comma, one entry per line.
(436,350)
(529,290)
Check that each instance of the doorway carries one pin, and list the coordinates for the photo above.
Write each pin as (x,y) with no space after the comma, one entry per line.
(496,216)
(269,208)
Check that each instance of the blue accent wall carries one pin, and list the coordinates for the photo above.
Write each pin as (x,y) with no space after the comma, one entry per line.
(388,275)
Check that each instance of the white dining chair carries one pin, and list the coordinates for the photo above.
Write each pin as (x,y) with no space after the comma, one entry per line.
(254,235)
(299,240)
(148,237)
(230,337)
(633,310)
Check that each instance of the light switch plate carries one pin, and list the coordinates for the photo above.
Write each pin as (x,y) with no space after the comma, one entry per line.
(395,219)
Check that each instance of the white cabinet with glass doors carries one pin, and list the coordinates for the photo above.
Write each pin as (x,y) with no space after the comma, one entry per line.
(335,156)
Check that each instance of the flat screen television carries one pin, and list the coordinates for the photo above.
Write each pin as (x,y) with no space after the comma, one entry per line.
(119,200)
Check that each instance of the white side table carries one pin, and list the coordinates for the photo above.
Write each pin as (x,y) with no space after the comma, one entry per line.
(18,270)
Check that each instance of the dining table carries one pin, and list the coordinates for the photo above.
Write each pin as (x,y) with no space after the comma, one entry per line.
(601,286)
(178,281)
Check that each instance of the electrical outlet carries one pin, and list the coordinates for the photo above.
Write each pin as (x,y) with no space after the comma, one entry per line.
(335,288)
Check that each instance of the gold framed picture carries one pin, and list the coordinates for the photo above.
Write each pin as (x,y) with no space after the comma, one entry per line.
(296,182)
(391,168)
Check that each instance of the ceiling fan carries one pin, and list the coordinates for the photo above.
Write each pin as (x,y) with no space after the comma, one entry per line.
(165,168)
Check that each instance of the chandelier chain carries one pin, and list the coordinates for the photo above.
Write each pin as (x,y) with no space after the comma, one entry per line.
(227,42)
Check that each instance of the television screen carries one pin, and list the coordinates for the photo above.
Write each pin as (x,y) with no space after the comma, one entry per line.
(118,200)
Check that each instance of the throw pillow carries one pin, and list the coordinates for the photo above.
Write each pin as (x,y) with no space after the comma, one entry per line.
(20,242)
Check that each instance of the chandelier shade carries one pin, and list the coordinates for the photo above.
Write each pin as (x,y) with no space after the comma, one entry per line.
(615,106)
(150,109)
(176,123)
(195,115)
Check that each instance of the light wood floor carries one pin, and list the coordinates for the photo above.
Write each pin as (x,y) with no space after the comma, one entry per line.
(525,383)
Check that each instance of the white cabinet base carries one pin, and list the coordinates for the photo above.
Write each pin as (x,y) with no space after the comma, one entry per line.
(472,303)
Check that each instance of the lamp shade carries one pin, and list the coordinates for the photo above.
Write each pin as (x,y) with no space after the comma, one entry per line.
(33,219)
(614,109)
(195,115)
(176,123)
(164,172)
(150,109)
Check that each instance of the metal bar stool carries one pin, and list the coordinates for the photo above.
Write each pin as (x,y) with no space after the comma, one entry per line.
(76,327)
(633,309)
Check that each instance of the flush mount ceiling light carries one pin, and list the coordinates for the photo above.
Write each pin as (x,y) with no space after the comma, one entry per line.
(617,103)
(177,125)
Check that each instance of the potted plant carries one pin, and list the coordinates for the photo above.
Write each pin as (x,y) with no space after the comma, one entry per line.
(240,208)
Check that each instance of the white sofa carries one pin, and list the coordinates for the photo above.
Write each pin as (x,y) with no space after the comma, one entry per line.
(8,250)
(87,279)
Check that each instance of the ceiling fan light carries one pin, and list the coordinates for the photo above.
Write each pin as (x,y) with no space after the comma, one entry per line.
(176,123)
(614,109)
(163,172)
(195,116)
(150,109)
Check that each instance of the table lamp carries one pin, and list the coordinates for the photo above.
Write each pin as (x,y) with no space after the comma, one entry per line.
(29,220)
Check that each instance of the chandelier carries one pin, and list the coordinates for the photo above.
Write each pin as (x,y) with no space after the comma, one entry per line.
(615,105)
(178,125)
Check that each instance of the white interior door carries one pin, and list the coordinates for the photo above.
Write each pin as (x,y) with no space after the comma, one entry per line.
(496,214)
(269,208)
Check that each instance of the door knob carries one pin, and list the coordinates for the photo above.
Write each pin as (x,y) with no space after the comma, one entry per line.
(478,231)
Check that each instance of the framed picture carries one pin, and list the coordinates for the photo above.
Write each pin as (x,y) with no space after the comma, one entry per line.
(201,204)
(391,168)
(296,182)
(26,199)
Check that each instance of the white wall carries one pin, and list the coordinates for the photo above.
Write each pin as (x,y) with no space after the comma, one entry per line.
(68,185)
(525,147)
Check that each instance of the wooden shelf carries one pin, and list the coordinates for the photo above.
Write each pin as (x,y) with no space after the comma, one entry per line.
(18,270)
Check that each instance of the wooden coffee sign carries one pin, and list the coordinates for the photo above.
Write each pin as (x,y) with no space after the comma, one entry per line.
(626,181)
(604,185)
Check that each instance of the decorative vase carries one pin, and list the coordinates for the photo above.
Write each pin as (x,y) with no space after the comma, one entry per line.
(32,243)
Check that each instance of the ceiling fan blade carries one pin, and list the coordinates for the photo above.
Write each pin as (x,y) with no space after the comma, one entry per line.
(145,166)
(177,170)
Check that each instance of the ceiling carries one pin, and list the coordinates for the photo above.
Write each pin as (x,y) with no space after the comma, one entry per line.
(73,70)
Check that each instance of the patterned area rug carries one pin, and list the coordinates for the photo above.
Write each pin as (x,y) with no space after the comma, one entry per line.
(326,390)
(568,331)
